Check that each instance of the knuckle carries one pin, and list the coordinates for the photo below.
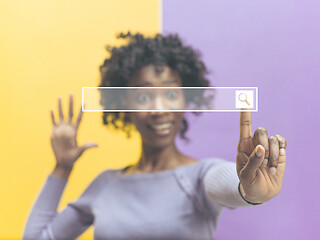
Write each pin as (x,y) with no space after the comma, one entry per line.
(245,123)
(261,131)
(271,164)
(273,139)
(54,133)
(63,132)
(282,140)
(275,160)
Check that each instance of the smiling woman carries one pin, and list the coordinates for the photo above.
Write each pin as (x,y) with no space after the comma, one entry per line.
(151,62)
(167,194)
(157,128)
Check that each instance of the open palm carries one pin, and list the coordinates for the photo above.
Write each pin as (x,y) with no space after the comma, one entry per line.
(64,137)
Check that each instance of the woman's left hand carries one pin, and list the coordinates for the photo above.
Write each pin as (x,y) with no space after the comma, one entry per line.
(260,162)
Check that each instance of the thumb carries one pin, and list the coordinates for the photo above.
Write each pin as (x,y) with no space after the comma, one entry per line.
(86,146)
(248,173)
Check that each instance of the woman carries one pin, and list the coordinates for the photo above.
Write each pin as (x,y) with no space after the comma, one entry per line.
(167,194)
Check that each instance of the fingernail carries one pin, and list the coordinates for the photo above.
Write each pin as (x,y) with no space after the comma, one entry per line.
(265,162)
(258,151)
(282,151)
(272,170)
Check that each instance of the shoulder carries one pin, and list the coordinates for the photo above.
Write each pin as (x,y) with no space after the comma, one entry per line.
(93,190)
(104,175)
(99,181)
(205,164)
(197,170)
(211,161)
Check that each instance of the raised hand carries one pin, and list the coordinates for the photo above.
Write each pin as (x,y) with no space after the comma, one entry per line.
(261,162)
(64,138)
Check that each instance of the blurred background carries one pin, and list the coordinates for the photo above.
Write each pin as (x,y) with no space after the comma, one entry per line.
(275,46)
(51,48)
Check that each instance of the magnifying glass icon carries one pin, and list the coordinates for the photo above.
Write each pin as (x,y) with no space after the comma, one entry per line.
(243,98)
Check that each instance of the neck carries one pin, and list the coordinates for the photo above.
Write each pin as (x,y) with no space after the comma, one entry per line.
(158,159)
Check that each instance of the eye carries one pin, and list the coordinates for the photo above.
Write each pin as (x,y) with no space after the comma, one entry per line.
(143,98)
(172,94)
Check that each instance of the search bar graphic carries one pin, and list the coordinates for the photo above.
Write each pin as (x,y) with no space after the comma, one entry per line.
(169,99)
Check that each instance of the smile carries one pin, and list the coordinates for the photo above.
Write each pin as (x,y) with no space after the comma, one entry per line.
(162,129)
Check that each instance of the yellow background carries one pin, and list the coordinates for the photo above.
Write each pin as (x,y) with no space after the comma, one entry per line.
(49,49)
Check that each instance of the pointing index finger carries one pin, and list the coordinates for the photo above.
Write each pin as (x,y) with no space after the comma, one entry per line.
(245,123)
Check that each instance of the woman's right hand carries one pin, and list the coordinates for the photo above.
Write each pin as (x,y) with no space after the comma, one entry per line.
(64,138)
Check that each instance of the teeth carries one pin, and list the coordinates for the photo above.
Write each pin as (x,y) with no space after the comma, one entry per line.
(162,126)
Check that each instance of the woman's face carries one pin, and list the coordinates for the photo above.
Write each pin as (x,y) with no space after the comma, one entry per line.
(157,129)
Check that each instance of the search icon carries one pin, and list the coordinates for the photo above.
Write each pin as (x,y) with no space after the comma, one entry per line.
(243,98)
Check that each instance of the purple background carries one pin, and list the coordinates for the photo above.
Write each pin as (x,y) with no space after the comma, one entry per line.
(274,45)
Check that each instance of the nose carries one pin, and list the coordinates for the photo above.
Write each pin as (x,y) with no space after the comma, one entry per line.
(159,104)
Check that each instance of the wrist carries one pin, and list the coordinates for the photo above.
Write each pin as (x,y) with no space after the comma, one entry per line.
(244,197)
(62,171)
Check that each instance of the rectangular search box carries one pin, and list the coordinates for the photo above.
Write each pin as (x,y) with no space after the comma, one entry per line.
(169,99)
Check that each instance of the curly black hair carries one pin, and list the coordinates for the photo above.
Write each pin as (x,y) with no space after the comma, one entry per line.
(140,51)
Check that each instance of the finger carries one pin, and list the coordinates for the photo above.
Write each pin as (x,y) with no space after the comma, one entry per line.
(245,124)
(52,118)
(79,118)
(282,155)
(274,154)
(260,136)
(60,110)
(70,108)
(249,172)
(86,146)
(282,145)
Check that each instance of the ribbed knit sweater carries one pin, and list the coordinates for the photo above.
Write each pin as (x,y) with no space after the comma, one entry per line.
(179,203)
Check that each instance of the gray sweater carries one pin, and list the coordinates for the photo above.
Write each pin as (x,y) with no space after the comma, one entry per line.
(180,203)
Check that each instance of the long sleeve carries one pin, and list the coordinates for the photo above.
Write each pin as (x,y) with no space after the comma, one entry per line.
(45,223)
(220,185)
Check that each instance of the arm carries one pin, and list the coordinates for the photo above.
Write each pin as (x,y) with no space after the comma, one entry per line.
(220,185)
(44,222)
